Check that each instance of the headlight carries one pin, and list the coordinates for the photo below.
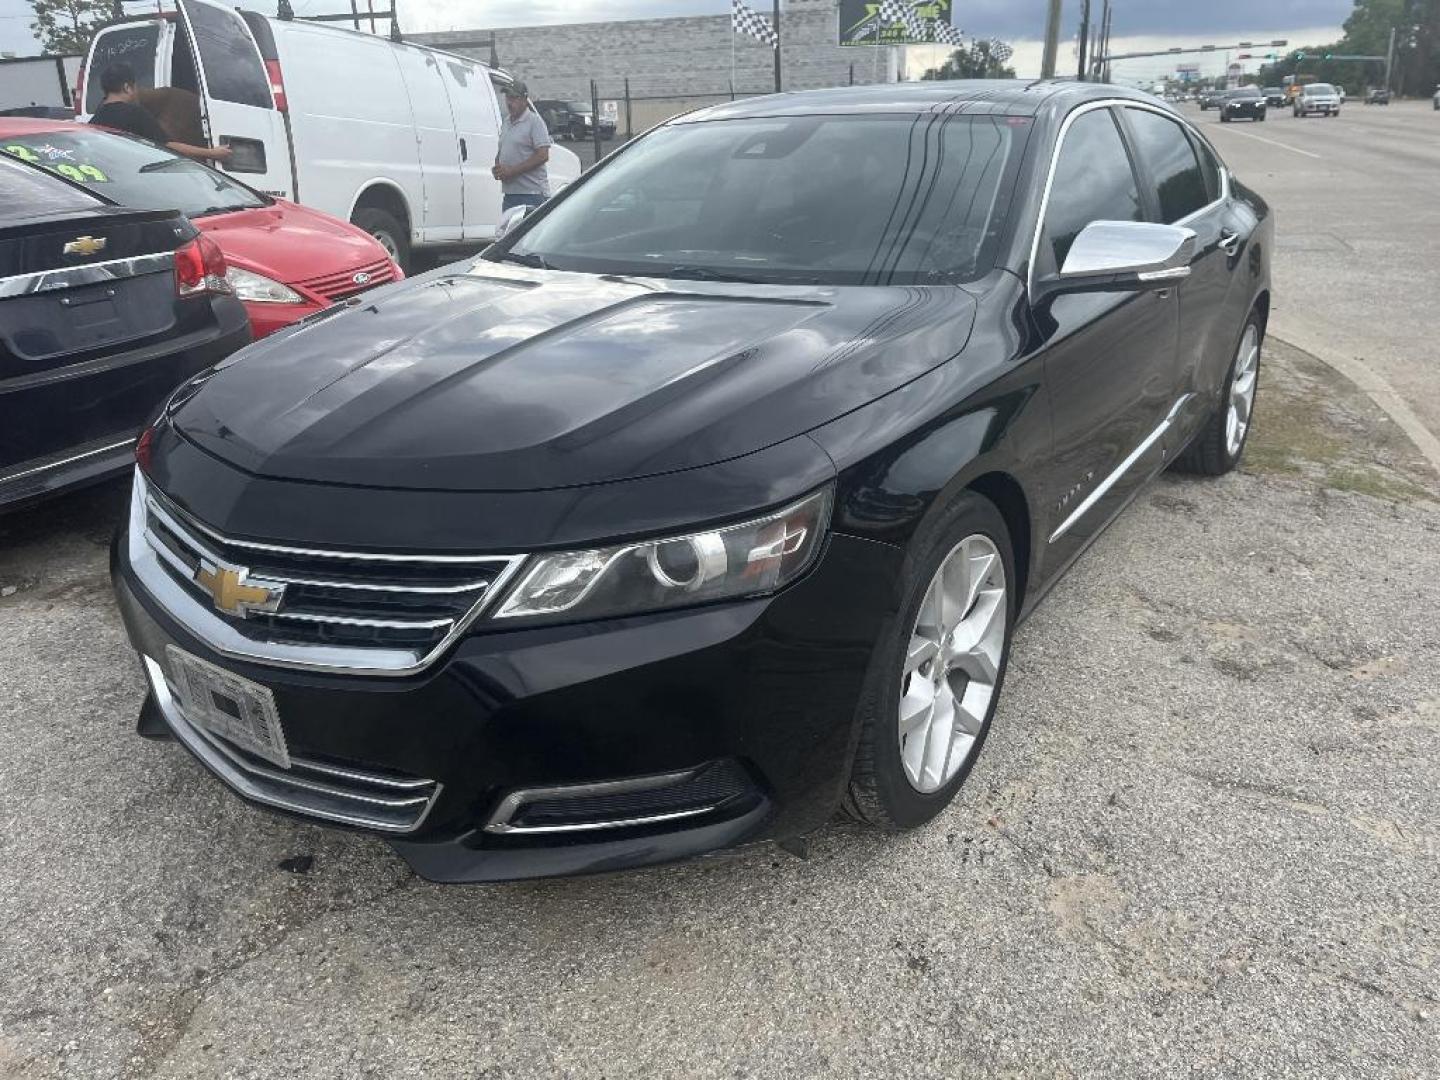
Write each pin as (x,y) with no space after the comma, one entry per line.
(756,557)
(259,289)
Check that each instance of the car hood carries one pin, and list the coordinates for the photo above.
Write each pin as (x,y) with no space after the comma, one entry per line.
(290,243)
(499,378)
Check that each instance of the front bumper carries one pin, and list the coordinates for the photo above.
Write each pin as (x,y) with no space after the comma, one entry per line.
(769,687)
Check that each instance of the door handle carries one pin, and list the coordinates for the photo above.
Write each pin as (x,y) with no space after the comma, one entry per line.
(464,151)
(1230,243)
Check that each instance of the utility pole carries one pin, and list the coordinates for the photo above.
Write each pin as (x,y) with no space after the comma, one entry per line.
(1389,57)
(1084,38)
(1103,66)
(777,46)
(1052,41)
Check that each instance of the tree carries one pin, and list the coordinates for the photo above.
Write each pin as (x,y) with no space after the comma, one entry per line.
(977,60)
(66,26)
(1367,33)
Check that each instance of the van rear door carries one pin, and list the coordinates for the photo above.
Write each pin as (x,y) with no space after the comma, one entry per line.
(239,109)
(142,45)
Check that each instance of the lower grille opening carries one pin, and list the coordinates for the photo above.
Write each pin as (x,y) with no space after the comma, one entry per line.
(715,789)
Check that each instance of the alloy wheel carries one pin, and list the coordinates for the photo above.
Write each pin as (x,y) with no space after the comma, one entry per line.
(952,663)
(1242,390)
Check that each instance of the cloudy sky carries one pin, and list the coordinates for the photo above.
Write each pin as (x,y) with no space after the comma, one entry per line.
(1138,23)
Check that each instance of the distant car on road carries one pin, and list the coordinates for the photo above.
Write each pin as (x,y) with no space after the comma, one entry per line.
(104,310)
(572,120)
(284,261)
(1378,95)
(1275,97)
(1210,99)
(1318,98)
(1245,103)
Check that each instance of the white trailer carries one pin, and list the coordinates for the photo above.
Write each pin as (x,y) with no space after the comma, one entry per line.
(38,81)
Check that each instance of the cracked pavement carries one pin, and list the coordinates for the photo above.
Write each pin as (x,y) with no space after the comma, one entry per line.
(1201,840)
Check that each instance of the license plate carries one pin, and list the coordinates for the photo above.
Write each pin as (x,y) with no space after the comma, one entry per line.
(237,710)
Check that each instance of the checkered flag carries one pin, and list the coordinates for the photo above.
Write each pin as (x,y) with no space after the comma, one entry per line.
(897,11)
(1000,50)
(752,24)
(943,33)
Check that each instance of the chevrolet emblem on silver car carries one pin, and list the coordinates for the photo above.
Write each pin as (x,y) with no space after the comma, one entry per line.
(704,504)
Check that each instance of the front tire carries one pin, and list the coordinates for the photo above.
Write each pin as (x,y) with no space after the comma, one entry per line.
(389,232)
(1217,448)
(936,674)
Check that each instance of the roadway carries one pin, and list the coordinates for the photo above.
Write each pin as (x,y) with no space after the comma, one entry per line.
(1358,241)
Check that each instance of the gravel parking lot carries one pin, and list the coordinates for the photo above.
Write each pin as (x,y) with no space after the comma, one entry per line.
(1200,841)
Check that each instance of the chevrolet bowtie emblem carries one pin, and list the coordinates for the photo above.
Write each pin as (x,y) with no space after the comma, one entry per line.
(233,592)
(86,245)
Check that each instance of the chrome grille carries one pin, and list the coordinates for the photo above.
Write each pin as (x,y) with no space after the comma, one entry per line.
(333,791)
(392,613)
(334,287)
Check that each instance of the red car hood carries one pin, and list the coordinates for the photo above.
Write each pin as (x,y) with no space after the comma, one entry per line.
(289,243)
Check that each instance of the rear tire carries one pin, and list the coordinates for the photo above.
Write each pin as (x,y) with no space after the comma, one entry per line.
(923,721)
(390,233)
(1216,449)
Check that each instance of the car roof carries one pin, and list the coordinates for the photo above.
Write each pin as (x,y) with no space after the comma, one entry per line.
(1011,97)
(24,125)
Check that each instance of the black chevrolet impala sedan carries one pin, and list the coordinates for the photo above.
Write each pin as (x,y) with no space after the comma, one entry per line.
(706,502)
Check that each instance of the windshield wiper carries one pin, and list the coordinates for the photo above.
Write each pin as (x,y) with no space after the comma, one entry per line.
(700,273)
(167,163)
(524,258)
(221,210)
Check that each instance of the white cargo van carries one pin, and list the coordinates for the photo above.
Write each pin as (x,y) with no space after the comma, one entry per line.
(397,138)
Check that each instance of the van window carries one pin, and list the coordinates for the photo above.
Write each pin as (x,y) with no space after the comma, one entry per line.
(233,71)
(135,45)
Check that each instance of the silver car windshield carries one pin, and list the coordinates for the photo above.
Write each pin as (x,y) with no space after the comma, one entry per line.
(843,200)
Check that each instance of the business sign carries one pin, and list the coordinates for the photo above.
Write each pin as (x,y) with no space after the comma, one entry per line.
(860,22)
(1187,73)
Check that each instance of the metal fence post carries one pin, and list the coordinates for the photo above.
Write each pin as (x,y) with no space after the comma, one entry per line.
(595,116)
(629,129)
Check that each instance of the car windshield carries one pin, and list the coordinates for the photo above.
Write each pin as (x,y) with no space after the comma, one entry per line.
(1320,88)
(131,172)
(577,106)
(838,200)
(1246,93)
(1273,90)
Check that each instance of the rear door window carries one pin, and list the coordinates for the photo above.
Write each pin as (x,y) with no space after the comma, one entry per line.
(1167,154)
(1093,181)
(233,70)
(1209,168)
(134,45)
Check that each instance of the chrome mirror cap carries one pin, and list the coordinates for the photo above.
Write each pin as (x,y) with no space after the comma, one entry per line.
(1148,251)
(510,219)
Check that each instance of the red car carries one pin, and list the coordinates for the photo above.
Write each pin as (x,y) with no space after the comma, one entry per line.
(284,261)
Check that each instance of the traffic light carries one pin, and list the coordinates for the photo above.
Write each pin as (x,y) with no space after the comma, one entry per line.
(1328,55)
(1299,55)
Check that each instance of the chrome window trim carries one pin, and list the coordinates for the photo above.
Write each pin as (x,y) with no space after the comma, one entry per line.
(1120,470)
(1070,118)
(328,659)
(70,277)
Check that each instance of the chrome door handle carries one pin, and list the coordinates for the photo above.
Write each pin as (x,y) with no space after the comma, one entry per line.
(1230,243)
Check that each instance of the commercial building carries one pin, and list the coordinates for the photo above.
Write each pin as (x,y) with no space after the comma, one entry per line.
(677,64)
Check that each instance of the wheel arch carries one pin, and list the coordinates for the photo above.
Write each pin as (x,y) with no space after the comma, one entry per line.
(1009,497)
(383,195)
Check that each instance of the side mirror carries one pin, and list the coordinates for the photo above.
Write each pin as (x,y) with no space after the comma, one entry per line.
(1124,256)
(510,219)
